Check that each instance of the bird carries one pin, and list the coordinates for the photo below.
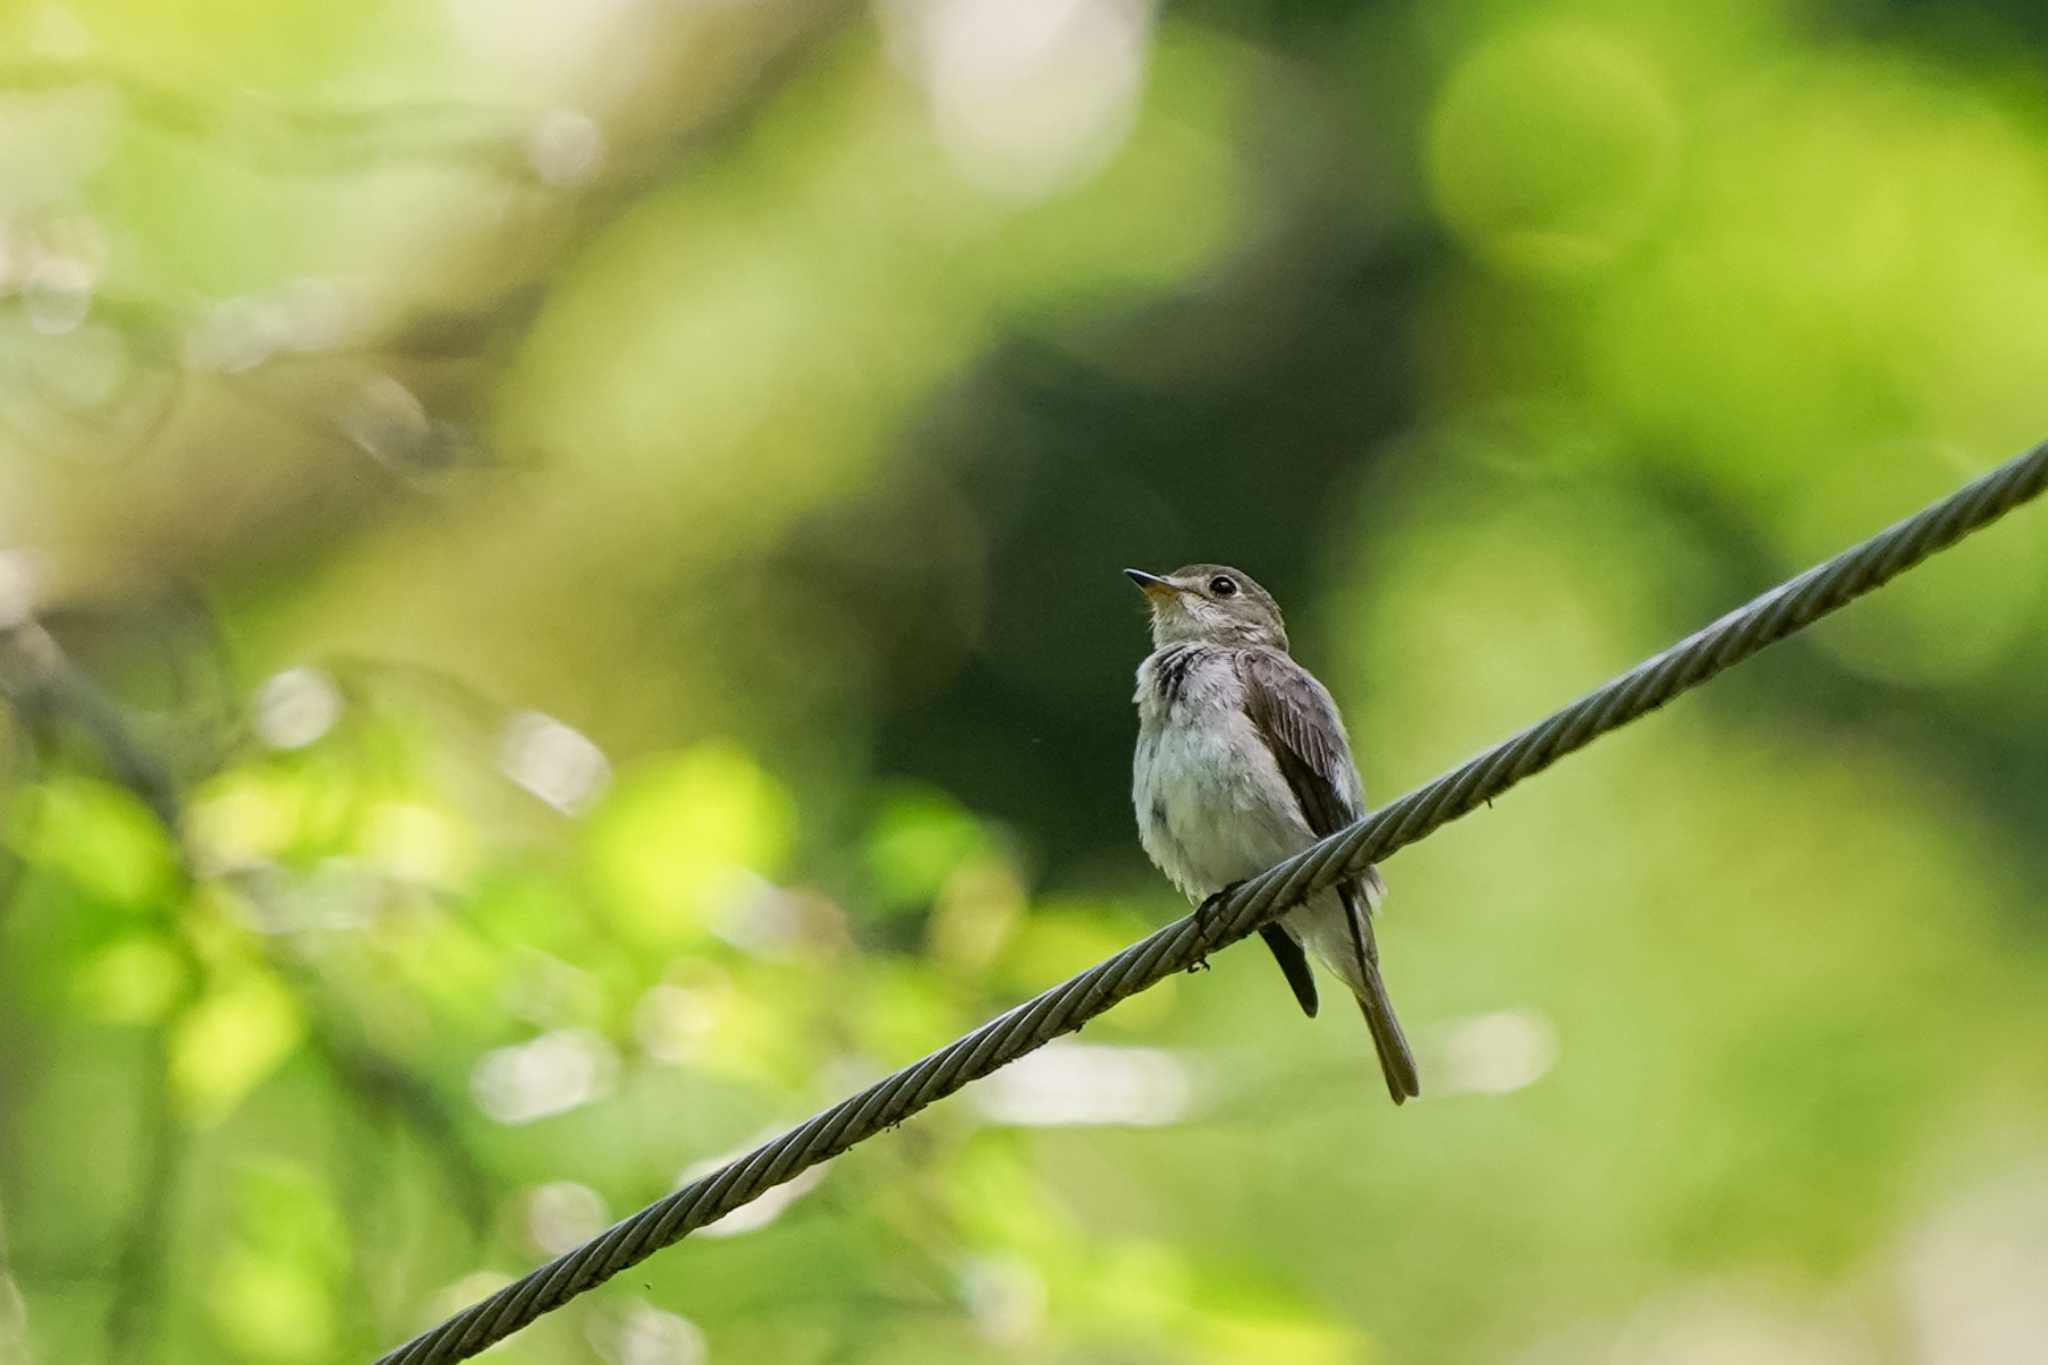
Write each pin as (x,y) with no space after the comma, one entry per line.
(1241,762)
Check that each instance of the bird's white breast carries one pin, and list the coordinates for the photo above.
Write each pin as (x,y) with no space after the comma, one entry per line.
(1212,805)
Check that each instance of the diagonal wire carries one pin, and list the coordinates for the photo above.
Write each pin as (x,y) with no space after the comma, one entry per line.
(1787,608)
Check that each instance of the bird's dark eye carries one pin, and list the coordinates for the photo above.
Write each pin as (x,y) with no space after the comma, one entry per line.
(1223,585)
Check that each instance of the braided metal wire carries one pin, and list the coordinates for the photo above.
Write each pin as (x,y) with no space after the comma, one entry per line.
(1180,945)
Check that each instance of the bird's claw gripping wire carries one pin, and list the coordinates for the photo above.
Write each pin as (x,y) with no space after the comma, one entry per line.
(1205,922)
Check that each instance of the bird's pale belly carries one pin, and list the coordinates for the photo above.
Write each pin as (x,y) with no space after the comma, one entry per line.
(1205,801)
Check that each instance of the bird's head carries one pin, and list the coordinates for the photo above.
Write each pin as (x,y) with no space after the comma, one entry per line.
(1210,604)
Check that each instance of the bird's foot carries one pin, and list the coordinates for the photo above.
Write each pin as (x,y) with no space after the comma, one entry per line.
(1205,918)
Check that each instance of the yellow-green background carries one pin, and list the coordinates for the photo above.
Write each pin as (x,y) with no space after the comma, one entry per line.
(769,393)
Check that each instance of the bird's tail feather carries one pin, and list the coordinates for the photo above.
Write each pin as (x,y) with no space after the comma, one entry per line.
(1397,1061)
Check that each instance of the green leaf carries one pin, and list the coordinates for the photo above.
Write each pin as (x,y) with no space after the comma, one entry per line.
(135,980)
(271,1309)
(230,1041)
(97,836)
(674,832)
(918,838)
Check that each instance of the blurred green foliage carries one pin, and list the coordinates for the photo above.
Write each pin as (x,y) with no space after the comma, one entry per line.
(609,516)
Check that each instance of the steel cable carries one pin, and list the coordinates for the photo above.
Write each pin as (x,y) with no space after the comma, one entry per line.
(1184,943)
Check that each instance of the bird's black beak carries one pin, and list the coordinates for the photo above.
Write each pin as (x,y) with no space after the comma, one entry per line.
(1154,586)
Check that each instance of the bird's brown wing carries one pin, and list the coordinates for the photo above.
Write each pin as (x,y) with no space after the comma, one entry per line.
(1299,724)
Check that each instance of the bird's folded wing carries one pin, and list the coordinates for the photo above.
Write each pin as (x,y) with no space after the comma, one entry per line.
(1299,723)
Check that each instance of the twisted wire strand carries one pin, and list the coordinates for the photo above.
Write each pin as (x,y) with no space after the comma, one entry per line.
(1180,945)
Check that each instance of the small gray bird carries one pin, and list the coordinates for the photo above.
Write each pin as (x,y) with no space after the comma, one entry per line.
(1242,762)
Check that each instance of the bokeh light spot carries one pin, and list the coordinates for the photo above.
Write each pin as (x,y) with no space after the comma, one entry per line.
(1074,1084)
(555,763)
(645,1335)
(297,707)
(553,1074)
(563,1215)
